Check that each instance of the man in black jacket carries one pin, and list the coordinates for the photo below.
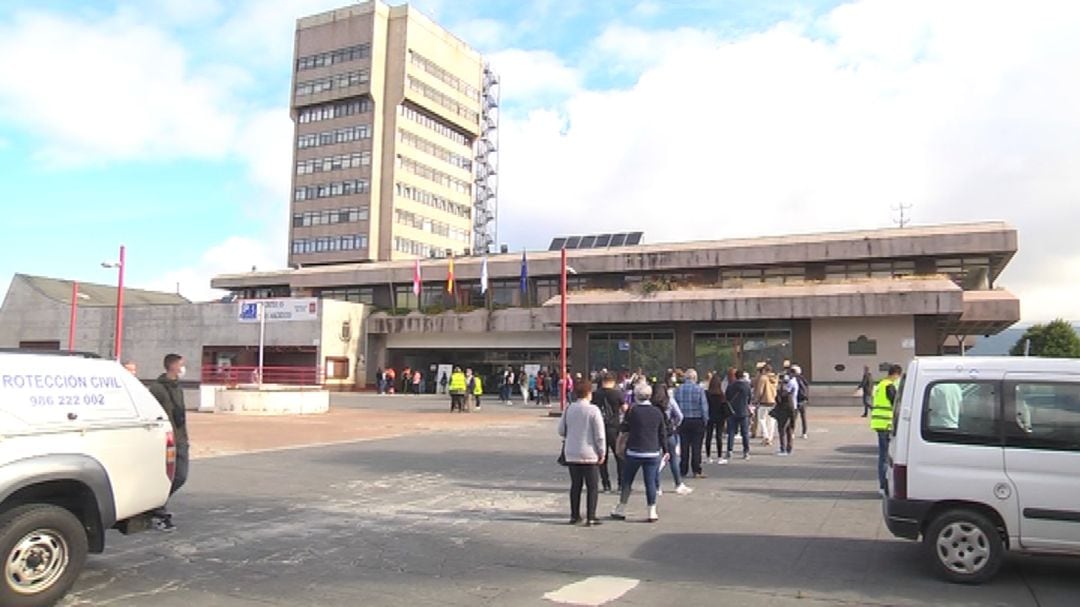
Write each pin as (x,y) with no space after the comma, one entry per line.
(739,394)
(166,389)
(611,403)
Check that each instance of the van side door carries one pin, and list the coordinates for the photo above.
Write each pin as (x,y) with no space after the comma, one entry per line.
(1042,457)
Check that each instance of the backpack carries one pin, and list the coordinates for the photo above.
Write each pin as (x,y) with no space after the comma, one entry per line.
(804,388)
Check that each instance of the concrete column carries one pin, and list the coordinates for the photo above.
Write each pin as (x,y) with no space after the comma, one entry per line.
(578,356)
(927,342)
(684,346)
(802,346)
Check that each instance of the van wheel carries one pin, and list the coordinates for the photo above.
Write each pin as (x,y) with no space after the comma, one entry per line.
(964,546)
(44,548)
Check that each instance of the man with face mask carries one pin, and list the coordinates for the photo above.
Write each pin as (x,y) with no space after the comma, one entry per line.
(166,389)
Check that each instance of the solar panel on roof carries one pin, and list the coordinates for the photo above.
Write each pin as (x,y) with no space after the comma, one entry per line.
(573,242)
(587,242)
(603,240)
(618,240)
(557,244)
(596,241)
(634,238)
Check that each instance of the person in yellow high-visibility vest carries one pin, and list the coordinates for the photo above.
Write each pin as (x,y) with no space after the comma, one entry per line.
(881,418)
(457,390)
(478,390)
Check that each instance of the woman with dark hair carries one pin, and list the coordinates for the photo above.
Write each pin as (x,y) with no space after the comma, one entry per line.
(718,416)
(646,447)
(661,397)
(584,448)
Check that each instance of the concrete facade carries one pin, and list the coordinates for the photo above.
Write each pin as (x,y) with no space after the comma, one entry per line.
(411,93)
(893,338)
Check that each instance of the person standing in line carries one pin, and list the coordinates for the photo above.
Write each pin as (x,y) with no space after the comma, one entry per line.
(765,389)
(470,389)
(738,401)
(458,386)
(476,390)
(380,380)
(406,380)
(646,447)
(803,398)
(585,451)
(611,405)
(166,389)
(533,396)
(673,417)
(390,377)
(443,381)
(504,388)
(881,420)
(787,412)
(866,386)
(695,409)
(718,416)
(417,377)
(523,385)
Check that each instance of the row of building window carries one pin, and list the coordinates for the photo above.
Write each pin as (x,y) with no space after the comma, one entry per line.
(444,100)
(329,217)
(340,162)
(412,247)
(331,190)
(325,244)
(431,124)
(431,226)
(433,200)
(329,83)
(431,174)
(364,295)
(343,135)
(415,141)
(334,57)
(329,111)
(439,72)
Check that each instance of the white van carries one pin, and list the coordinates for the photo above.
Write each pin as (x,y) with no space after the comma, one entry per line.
(984,458)
(84,448)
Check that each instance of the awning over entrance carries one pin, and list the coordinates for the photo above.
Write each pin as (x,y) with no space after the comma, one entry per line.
(984,313)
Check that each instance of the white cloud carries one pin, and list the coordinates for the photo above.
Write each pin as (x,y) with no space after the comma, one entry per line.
(958,108)
(481,33)
(534,77)
(234,255)
(110,89)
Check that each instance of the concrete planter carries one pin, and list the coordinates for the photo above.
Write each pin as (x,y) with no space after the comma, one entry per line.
(272,400)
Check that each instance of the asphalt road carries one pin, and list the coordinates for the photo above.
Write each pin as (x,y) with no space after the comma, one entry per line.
(479,518)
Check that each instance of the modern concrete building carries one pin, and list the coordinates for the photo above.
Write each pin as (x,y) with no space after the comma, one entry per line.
(322,346)
(832,302)
(388,109)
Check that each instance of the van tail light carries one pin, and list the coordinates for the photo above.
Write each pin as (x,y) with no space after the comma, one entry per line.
(170,456)
(899,475)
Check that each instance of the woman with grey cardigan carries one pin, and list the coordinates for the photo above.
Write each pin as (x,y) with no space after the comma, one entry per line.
(584,447)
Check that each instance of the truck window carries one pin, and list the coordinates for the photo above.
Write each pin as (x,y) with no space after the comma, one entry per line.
(1043,415)
(962,412)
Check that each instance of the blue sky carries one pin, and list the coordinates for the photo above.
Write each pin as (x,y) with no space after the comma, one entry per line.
(164,126)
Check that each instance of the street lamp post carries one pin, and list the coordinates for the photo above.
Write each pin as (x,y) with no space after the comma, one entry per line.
(562,334)
(118,340)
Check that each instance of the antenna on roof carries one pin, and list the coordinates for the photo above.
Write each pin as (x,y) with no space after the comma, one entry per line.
(903,219)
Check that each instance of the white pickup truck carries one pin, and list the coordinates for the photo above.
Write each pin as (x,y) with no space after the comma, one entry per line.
(84,448)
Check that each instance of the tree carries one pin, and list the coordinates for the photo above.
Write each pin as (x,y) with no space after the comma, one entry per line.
(1057,339)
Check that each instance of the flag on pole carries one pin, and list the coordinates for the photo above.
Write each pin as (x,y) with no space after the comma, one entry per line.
(524,273)
(484,277)
(450,278)
(416,279)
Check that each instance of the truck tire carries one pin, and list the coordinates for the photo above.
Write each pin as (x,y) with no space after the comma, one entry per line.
(964,546)
(44,548)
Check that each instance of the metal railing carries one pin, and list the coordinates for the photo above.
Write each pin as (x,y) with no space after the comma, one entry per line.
(233,375)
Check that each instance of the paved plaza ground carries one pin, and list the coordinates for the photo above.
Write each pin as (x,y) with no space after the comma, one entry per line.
(428,508)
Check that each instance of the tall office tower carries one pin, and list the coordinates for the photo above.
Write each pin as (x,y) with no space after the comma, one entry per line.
(388,110)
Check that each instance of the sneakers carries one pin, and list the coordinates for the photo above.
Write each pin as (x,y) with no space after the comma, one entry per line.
(746,455)
(164,523)
(722,461)
(804,435)
(607,488)
(619,512)
(709,460)
(782,453)
(683,489)
(700,475)
(653,516)
(659,493)
(593,523)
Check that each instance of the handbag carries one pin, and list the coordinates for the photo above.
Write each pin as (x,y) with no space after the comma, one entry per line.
(562,455)
(620,444)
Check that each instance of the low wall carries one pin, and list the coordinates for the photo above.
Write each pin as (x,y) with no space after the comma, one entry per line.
(272,400)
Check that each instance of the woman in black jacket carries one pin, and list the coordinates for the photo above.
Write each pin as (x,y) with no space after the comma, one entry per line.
(646,447)
(718,415)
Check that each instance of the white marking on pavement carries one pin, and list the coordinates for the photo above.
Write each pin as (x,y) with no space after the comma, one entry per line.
(594,591)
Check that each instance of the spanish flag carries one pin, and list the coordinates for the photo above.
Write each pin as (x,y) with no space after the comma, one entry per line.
(450,278)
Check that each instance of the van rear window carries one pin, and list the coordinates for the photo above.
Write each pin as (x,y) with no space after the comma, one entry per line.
(1044,415)
(962,412)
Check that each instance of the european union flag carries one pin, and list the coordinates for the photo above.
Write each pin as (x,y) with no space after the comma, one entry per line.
(524,273)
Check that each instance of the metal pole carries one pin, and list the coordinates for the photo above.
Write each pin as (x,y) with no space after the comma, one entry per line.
(562,334)
(74,315)
(119,342)
(262,338)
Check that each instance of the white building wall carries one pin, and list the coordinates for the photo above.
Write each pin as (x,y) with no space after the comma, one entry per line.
(895,336)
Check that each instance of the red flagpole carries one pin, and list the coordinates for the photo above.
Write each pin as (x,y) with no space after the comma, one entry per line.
(562,335)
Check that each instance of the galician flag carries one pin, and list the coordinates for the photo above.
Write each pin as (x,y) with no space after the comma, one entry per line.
(416,279)
(450,278)
(484,277)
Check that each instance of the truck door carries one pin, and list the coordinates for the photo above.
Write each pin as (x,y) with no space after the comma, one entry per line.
(1042,457)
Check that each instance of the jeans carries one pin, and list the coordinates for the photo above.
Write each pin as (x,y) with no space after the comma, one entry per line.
(650,469)
(692,434)
(741,424)
(802,415)
(866,402)
(587,475)
(504,393)
(882,458)
(766,422)
(612,435)
(674,447)
(715,426)
(786,423)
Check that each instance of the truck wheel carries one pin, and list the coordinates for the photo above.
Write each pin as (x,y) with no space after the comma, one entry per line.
(964,546)
(44,548)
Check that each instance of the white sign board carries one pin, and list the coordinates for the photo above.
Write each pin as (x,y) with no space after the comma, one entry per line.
(279,310)
(908,343)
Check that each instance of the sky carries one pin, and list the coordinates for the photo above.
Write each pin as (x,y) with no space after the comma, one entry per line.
(163,125)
